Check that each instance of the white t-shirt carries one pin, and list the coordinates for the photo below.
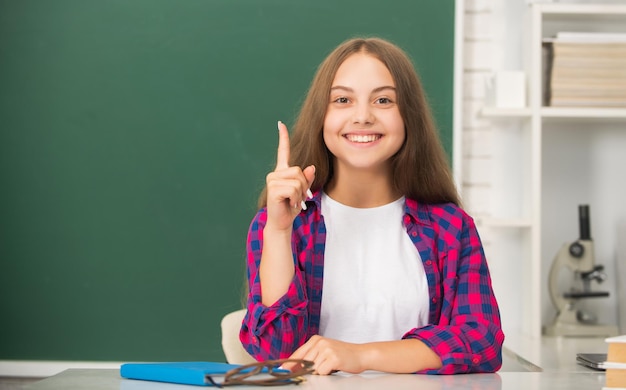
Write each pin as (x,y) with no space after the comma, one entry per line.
(375,286)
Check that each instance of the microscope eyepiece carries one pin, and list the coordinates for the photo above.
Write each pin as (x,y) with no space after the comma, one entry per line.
(583,221)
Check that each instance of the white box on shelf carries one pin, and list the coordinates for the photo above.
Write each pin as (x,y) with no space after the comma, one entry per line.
(507,89)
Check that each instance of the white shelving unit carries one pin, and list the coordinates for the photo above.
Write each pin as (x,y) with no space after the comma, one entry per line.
(535,197)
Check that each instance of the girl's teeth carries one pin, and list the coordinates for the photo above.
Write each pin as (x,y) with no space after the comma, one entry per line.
(363,138)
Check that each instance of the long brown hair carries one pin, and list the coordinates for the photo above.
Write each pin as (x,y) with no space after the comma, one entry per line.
(420,168)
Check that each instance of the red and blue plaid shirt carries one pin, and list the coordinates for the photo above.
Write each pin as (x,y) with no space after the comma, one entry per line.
(464,320)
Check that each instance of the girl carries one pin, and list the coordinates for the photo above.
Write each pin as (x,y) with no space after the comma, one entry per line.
(360,257)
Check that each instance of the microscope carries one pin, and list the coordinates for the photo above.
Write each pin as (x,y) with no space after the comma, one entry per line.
(578,257)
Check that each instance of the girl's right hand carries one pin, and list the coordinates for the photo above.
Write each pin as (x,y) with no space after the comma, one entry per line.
(287,187)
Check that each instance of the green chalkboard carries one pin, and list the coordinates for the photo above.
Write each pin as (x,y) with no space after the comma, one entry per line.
(135,136)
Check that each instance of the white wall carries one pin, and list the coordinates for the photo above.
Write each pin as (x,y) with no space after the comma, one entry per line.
(583,163)
(493,43)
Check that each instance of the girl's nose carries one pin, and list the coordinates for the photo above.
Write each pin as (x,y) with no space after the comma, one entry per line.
(363,114)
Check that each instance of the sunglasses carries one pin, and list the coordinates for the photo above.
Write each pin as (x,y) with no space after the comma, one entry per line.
(267,373)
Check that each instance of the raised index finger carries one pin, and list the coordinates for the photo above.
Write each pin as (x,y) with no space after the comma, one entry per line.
(282,158)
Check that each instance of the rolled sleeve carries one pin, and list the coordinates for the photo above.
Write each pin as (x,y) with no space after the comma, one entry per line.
(461,352)
(271,332)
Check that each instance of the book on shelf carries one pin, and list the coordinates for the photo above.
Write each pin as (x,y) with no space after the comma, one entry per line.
(589,82)
(596,37)
(616,362)
(601,62)
(598,74)
(588,102)
(576,49)
(585,69)
(590,93)
(572,90)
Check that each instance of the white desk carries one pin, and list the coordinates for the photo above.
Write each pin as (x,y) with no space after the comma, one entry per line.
(555,353)
(552,366)
(107,379)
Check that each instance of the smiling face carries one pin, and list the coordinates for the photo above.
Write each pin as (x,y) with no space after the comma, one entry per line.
(363,127)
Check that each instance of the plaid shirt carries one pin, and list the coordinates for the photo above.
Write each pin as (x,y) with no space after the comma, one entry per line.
(464,321)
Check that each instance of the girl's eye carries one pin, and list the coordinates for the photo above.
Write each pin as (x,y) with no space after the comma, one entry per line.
(341,100)
(383,100)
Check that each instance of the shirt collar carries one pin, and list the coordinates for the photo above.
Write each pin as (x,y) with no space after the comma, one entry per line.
(416,211)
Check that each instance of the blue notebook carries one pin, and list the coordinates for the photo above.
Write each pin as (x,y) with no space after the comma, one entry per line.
(188,373)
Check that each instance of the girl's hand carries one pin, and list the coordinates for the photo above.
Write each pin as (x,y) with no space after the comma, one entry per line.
(287,187)
(330,355)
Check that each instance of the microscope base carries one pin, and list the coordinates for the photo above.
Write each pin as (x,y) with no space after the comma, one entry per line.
(559,328)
